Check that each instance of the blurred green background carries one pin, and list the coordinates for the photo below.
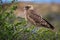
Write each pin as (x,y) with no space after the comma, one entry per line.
(13,25)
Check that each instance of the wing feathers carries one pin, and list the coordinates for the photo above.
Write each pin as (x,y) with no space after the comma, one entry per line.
(50,26)
(38,20)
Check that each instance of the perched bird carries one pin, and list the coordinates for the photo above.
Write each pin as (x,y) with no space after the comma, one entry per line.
(32,17)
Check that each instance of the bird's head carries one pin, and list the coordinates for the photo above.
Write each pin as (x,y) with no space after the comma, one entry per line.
(28,7)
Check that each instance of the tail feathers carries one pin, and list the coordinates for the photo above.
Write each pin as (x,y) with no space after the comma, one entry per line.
(50,26)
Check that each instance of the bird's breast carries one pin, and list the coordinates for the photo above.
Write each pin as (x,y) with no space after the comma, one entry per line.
(26,15)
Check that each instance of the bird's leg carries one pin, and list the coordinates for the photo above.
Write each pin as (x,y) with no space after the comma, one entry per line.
(28,24)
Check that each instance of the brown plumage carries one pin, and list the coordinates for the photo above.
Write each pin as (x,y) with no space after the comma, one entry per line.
(32,17)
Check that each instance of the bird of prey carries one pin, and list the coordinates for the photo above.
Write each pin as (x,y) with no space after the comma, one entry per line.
(35,19)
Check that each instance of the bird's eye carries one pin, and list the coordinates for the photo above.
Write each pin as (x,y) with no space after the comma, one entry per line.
(27,7)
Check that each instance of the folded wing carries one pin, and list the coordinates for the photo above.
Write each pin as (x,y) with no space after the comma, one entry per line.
(38,20)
